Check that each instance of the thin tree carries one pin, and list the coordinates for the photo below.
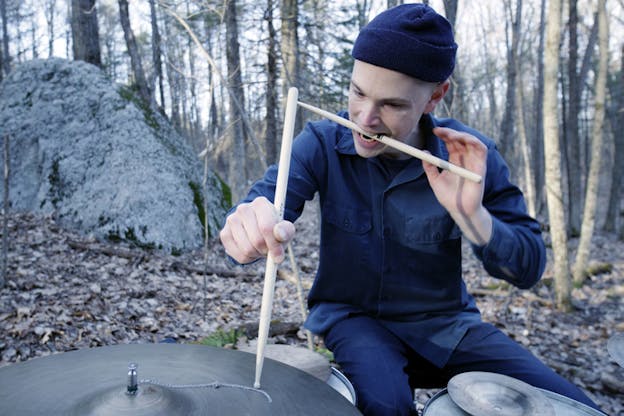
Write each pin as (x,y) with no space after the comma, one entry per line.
(529,184)
(591,197)
(454,92)
(156,55)
(237,171)
(571,132)
(291,67)
(552,154)
(616,119)
(50,11)
(271,93)
(538,131)
(6,56)
(133,50)
(85,34)
(5,219)
(507,142)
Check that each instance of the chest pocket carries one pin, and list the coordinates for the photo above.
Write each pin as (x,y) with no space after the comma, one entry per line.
(351,220)
(431,230)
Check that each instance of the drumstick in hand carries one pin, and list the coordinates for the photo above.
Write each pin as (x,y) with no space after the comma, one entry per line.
(279,202)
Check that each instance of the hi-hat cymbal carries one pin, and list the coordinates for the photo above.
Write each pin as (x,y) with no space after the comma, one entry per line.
(615,346)
(183,380)
(490,394)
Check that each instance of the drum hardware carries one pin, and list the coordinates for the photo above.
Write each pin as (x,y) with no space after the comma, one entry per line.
(133,383)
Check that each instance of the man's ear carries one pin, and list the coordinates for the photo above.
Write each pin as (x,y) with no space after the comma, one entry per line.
(438,93)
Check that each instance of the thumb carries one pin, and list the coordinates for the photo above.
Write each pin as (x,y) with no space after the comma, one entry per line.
(284,231)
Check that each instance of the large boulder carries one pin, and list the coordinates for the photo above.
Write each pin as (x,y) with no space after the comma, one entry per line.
(92,154)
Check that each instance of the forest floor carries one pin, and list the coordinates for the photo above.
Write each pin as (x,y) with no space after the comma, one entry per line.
(66,291)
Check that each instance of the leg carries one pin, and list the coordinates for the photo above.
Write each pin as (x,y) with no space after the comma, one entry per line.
(374,361)
(485,348)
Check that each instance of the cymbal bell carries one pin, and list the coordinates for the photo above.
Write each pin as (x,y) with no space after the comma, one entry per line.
(173,379)
(615,346)
(490,394)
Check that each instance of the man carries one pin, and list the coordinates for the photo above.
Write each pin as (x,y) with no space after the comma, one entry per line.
(388,297)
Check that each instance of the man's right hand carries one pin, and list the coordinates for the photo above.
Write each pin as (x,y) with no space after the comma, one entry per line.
(253,230)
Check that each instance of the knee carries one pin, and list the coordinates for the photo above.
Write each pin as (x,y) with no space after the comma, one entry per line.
(385,403)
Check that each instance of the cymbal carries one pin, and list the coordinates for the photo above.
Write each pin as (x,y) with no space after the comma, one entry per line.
(490,394)
(174,379)
(615,346)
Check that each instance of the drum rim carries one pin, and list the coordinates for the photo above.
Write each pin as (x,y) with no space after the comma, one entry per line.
(343,378)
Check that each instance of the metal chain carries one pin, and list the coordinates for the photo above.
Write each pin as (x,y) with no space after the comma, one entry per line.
(213,385)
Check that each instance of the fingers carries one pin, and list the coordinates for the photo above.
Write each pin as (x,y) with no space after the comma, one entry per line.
(459,141)
(253,231)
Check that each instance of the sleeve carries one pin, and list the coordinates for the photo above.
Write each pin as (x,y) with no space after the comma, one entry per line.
(516,251)
(307,169)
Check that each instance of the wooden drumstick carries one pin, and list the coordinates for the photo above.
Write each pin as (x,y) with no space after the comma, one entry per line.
(398,145)
(279,202)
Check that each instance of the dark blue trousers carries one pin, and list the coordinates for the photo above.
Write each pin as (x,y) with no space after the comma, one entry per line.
(384,370)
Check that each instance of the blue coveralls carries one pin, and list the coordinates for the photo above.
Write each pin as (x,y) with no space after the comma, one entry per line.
(389,297)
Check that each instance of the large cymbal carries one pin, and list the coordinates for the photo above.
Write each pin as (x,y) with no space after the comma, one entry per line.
(93,382)
(615,346)
(490,394)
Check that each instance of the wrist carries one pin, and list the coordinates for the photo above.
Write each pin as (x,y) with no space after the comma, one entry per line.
(477,228)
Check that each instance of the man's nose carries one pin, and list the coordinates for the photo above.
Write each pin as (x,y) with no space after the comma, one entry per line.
(370,116)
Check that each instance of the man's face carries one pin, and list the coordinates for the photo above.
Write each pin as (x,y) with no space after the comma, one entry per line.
(382,101)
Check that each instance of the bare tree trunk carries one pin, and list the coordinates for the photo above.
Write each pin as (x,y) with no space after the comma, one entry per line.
(85,36)
(271,94)
(5,219)
(450,9)
(552,153)
(589,212)
(529,184)
(156,55)
(538,146)
(290,51)
(49,15)
(616,118)
(133,51)
(6,56)
(173,78)
(507,142)
(237,173)
(571,132)
(392,3)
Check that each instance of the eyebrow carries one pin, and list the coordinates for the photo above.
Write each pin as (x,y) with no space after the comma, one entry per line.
(394,100)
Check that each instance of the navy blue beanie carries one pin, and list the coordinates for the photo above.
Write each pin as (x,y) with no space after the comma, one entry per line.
(412,39)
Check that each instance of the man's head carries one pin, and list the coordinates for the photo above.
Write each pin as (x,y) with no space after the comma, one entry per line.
(412,39)
(403,59)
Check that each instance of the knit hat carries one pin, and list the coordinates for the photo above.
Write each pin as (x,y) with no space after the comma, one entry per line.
(412,39)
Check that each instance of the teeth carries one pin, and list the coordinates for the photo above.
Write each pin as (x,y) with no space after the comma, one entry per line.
(367,138)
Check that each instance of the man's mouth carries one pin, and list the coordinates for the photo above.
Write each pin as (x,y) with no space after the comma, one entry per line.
(367,138)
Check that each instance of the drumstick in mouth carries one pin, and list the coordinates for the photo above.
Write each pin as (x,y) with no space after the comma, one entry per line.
(396,144)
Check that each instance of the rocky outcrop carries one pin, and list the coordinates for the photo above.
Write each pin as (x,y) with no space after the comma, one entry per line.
(103,163)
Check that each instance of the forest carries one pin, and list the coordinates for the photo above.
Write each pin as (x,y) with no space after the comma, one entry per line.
(543,78)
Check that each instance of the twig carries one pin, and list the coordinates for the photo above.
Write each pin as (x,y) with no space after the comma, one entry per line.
(135,254)
(302,303)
